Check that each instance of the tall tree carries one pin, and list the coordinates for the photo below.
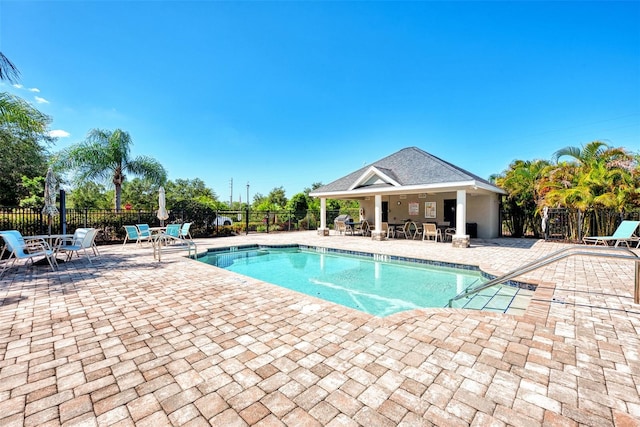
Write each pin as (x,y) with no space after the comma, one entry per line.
(106,155)
(141,194)
(89,195)
(188,189)
(299,204)
(277,197)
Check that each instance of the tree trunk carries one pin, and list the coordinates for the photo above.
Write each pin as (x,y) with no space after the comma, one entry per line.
(118,196)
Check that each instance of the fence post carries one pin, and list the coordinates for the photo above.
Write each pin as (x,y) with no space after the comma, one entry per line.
(63,212)
(86,217)
(246,225)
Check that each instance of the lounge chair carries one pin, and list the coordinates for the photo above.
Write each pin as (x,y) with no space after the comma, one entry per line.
(25,248)
(184,231)
(625,233)
(133,234)
(144,231)
(173,230)
(430,231)
(83,239)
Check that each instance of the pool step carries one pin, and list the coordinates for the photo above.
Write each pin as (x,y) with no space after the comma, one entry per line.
(502,299)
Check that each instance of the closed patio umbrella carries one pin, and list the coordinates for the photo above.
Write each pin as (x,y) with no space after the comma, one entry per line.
(50,208)
(162,208)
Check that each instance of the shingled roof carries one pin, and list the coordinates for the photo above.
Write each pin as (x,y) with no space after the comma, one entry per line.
(409,167)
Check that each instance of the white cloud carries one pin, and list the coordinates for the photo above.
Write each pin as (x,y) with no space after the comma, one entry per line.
(59,133)
(34,89)
(41,100)
(18,86)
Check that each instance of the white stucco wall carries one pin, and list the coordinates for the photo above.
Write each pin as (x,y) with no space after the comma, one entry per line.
(484,211)
(481,209)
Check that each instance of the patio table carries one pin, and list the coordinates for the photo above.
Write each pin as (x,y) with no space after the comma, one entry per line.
(53,240)
(353,226)
(396,226)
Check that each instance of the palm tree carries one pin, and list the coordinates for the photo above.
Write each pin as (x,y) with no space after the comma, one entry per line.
(8,71)
(600,181)
(521,182)
(16,112)
(105,155)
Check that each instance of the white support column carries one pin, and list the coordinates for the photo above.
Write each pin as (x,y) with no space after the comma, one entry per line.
(323,230)
(461,213)
(461,239)
(378,234)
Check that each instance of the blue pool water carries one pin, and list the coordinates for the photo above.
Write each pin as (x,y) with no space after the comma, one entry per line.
(376,287)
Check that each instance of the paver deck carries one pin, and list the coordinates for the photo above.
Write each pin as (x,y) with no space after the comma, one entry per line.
(131,341)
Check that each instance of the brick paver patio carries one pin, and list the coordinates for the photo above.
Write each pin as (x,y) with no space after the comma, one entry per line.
(130,341)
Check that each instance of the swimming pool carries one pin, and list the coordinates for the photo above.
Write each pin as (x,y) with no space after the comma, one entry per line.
(376,284)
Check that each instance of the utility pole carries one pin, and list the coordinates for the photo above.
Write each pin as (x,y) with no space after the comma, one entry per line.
(246,225)
(230,193)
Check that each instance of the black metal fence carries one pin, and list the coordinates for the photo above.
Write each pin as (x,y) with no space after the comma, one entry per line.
(562,224)
(205,222)
(569,225)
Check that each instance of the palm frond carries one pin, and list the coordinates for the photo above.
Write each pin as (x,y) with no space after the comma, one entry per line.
(8,71)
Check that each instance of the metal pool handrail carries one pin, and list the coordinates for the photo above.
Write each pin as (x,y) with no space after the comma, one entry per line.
(554,257)
(163,239)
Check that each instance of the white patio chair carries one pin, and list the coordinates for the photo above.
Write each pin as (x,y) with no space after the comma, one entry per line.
(25,248)
(430,231)
(341,227)
(389,231)
(82,240)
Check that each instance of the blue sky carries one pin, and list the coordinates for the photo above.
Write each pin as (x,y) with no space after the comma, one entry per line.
(290,93)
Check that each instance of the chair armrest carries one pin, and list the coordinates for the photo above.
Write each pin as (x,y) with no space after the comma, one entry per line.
(63,240)
(36,245)
(30,241)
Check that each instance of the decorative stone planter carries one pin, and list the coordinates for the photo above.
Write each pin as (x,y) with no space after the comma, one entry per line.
(460,242)
(378,235)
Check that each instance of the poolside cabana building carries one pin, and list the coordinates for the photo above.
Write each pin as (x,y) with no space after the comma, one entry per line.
(413,185)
